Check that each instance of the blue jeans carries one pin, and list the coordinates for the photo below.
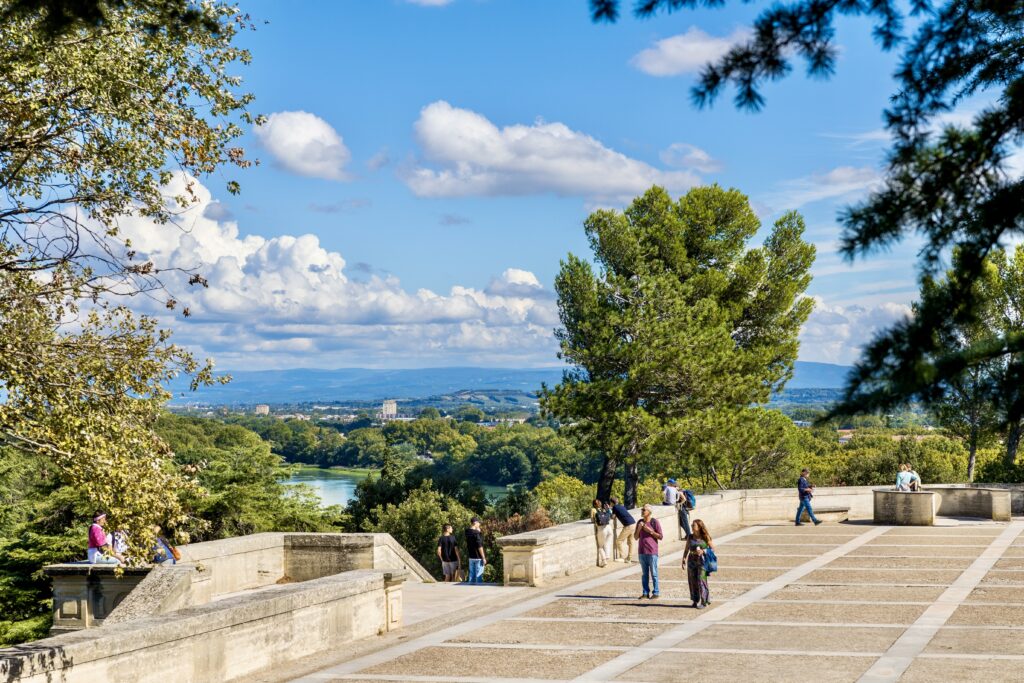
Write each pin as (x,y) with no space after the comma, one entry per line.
(649,570)
(805,504)
(476,571)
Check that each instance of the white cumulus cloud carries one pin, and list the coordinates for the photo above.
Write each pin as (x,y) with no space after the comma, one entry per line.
(685,53)
(305,144)
(683,155)
(836,334)
(288,301)
(843,182)
(470,156)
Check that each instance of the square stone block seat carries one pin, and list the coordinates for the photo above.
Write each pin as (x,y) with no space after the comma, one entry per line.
(828,514)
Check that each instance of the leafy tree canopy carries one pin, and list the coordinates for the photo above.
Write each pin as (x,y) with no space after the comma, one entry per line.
(102,105)
(679,329)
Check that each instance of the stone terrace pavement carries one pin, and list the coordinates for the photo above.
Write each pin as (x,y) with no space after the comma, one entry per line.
(839,602)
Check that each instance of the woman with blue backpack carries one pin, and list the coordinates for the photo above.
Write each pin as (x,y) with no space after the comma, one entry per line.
(699,560)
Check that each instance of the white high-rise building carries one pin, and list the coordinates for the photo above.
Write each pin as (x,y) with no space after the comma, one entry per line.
(389,410)
(262,409)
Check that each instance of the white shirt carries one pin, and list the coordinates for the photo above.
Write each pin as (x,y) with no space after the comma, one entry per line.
(671,494)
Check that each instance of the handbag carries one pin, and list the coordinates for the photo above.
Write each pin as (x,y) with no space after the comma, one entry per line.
(710,561)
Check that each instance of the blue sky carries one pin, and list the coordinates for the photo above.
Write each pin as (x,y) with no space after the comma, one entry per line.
(427,164)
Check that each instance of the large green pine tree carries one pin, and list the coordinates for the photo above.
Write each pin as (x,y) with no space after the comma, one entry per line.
(679,330)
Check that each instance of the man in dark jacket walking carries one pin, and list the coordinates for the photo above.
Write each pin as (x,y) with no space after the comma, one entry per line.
(805,489)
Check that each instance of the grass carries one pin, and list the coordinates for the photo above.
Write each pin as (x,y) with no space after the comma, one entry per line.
(348,471)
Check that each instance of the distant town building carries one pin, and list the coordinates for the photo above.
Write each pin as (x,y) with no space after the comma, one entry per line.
(389,410)
(262,409)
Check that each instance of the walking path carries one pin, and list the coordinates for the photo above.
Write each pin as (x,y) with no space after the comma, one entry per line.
(839,602)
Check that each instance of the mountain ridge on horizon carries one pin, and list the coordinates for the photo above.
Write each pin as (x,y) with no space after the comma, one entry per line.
(304,385)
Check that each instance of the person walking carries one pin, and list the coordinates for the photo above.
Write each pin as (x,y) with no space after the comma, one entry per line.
(697,545)
(601,518)
(475,551)
(648,533)
(805,489)
(625,535)
(448,553)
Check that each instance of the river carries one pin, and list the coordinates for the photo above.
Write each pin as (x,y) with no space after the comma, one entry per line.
(338,487)
(335,487)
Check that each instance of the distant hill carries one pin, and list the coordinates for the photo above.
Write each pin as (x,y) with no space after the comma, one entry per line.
(361,384)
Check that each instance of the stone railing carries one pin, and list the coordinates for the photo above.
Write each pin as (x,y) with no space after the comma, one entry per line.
(535,557)
(225,640)
(86,595)
(226,610)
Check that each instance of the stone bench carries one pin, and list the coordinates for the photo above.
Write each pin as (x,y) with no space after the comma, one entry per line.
(828,514)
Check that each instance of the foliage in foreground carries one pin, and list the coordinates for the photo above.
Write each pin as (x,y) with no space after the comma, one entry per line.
(236,489)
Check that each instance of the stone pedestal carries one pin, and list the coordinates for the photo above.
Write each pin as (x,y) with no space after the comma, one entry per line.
(85,594)
(523,565)
(905,508)
(393,598)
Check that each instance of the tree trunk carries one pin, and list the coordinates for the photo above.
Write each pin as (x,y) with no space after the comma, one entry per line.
(604,484)
(631,481)
(972,456)
(1012,442)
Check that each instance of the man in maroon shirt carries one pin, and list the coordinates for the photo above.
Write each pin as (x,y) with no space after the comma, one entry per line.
(648,532)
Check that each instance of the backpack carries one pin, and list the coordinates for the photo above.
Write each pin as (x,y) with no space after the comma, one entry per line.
(604,517)
(689,499)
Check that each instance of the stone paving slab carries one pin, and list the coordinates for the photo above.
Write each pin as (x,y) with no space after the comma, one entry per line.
(809,638)
(997,594)
(806,550)
(997,578)
(900,563)
(1010,563)
(767,560)
(991,532)
(612,609)
(669,589)
(1014,551)
(673,666)
(988,615)
(940,577)
(494,662)
(882,594)
(725,572)
(846,532)
(829,613)
(928,539)
(978,641)
(796,538)
(930,670)
(909,551)
(554,633)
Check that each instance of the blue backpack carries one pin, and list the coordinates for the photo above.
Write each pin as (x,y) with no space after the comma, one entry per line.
(689,499)
(710,561)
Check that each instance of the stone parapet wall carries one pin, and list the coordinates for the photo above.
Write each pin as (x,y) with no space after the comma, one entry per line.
(226,640)
(535,557)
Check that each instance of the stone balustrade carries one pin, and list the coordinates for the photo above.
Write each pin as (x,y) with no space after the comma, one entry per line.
(229,609)
(535,557)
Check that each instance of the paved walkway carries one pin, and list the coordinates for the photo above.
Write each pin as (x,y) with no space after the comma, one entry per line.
(839,602)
